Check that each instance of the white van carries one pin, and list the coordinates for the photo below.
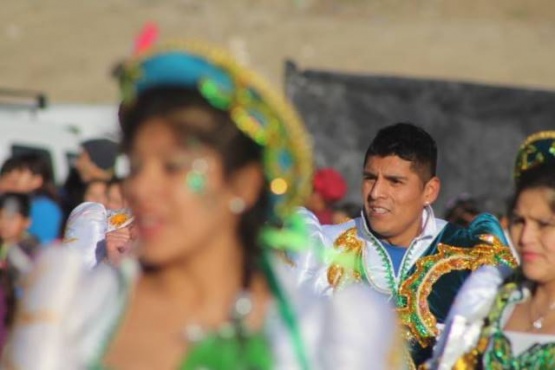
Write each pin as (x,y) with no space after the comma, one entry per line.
(54,131)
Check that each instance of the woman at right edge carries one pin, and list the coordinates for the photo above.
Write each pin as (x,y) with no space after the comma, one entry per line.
(502,319)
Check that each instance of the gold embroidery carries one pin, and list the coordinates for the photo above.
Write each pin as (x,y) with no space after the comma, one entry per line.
(346,244)
(416,314)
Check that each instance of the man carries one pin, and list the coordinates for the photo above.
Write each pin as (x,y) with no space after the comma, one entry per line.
(400,249)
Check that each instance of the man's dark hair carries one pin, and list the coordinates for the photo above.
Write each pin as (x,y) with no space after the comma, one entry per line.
(38,165)
(408,142)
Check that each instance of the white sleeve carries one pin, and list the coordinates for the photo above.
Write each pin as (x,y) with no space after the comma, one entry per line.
(465,319)
(361,332)
(354,329)
(38,340)
(86,231)
(310,265)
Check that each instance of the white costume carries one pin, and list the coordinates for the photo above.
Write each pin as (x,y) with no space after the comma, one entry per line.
(432,270)
(63,325)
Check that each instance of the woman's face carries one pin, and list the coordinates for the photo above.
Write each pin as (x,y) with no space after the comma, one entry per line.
(178,195)
(532,231)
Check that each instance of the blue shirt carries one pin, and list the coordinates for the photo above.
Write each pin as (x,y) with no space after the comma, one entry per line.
(46,219)
(396,254)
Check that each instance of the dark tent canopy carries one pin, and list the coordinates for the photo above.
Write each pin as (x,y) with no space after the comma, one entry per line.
(478,128)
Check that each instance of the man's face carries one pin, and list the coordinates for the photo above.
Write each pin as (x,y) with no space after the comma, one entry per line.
(394,197)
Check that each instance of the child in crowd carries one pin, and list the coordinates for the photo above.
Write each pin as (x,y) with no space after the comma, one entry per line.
(96,191)
(15,220)
(116,199)
(31,174)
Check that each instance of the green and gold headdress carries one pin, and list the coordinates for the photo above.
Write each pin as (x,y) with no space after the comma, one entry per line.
(259,112)
(537,150)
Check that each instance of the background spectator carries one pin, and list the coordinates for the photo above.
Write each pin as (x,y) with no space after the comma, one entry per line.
(116,199)
(96,191)
(345,211)
(329,187)
(462,210)
(95,162)
(15,219)
(31,174)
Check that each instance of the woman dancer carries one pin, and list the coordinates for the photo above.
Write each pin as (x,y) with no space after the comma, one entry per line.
(509,323)
(218,163)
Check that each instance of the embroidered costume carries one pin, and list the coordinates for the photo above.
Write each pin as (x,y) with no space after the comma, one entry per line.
(65,326)
(474,336)
(428,277)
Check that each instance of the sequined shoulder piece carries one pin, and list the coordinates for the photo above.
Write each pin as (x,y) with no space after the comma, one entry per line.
(416,314)
(348,250)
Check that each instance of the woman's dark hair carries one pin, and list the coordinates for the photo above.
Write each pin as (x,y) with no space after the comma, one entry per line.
(538,177)
(214,129)
(17,203)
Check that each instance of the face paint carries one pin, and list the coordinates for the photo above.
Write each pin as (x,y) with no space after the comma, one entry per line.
(196,177)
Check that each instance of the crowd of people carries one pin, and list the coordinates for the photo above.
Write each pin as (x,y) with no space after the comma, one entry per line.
(223,248)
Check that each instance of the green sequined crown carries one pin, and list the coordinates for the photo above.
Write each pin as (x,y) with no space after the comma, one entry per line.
(538,149)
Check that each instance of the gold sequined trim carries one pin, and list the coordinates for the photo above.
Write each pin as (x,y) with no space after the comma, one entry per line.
(416,315)
(347,244)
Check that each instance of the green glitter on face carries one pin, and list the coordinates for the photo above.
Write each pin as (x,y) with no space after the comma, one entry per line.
(196,177)
(196,181)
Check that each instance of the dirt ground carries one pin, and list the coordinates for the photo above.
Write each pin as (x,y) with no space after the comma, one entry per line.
(66,47)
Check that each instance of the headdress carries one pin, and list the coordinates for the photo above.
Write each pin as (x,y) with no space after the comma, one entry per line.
(260,113)
(537,150)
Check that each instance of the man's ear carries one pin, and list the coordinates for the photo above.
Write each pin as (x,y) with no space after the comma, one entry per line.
(431,190)
(247,183)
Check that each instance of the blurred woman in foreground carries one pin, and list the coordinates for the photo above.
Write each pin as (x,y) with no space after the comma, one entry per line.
(218,164)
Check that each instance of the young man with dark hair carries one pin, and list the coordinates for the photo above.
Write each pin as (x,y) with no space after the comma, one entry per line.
(400,249)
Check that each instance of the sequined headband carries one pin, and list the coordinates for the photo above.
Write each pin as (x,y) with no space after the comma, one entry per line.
(259,112)
(537,150)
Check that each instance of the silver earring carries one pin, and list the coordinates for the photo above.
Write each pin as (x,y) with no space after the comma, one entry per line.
(237,205)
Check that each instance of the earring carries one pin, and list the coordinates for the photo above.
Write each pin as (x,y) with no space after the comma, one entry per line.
(237,205)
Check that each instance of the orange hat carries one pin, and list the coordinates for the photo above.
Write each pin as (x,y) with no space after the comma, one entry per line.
(329,184)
